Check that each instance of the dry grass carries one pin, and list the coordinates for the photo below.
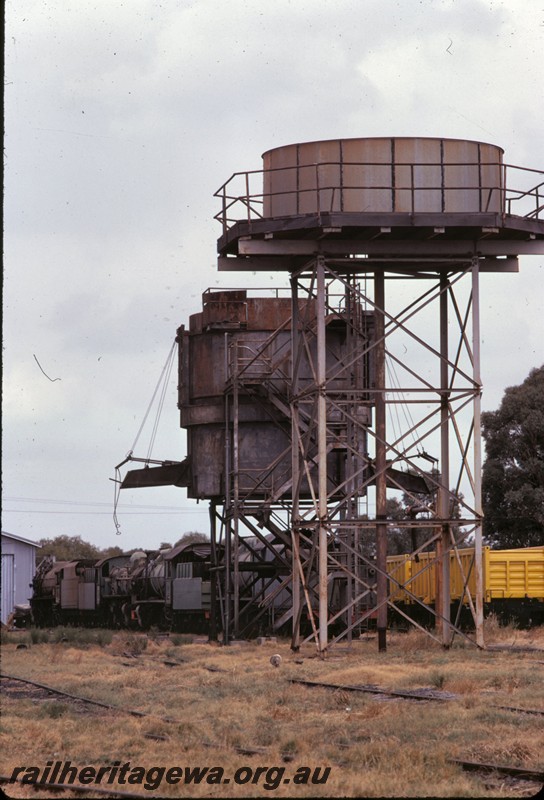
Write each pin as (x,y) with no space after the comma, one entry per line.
(221,700)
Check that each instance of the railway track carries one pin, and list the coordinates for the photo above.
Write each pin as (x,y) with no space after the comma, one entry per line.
(10,682)
(500,769)
(4,678)
(56,788)
(7,679)
(406,694)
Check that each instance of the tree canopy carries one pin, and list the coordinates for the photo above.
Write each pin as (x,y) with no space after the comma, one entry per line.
(513,472)
(404,539)
(192,537)
(68,548)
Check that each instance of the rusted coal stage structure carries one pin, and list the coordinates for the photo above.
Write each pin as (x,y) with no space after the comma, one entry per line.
(305,407)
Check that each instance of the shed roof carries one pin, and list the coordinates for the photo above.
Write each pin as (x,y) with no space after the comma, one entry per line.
(20,539)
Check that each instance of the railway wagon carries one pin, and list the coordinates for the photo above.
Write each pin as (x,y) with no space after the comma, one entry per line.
(513,581)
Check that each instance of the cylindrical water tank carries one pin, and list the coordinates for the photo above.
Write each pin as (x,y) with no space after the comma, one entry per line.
(387,175)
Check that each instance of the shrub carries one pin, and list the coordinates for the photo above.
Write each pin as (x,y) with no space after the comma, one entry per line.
(437,679)
(53,709)
(39,636)
(80,637)
(178,639)
(135,645)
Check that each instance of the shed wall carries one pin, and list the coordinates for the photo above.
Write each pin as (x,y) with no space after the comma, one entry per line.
(18,568)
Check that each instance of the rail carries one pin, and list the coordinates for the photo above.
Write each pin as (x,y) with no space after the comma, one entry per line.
(243,195)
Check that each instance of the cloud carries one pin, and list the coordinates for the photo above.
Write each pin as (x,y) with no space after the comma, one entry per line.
(121,121)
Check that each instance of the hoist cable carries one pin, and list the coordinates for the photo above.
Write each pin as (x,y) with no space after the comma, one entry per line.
(167,372)
(403,405)
(162,383)
(159,382)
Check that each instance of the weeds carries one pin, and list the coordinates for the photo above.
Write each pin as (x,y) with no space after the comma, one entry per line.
(7,637)
(103,637)
(133,644)
(497,630)
(376,749)
(415,641)
(39,636)
(437,679)
(77,637)
(178,639)
(80,637)
(53,709)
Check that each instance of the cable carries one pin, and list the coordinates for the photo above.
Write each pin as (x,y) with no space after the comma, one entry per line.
(116,495)
(166,366)
(167,370)
(395,383)
(163,383)
(395,412)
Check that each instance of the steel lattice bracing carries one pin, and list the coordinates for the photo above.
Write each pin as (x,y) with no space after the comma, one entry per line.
(311,415)
(384,241)
(353,544)
(349,406)
(305,427)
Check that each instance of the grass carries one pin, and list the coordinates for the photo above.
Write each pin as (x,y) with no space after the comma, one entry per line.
(77,637)
(212,702)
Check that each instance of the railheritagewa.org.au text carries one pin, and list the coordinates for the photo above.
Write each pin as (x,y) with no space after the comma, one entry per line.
(152,778)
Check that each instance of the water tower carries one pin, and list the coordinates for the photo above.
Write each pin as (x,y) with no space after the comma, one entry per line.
(308,411)
(346,220)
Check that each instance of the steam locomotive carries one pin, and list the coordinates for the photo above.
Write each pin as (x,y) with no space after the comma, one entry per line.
(178,589)
(167,588)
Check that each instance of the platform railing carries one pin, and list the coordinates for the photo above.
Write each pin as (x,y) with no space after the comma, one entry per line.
(243,197)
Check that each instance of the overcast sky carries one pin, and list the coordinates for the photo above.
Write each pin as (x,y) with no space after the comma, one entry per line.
(122,119)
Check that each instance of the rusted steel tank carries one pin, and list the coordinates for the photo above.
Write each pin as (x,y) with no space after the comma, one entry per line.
(388,175)
(247,340)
